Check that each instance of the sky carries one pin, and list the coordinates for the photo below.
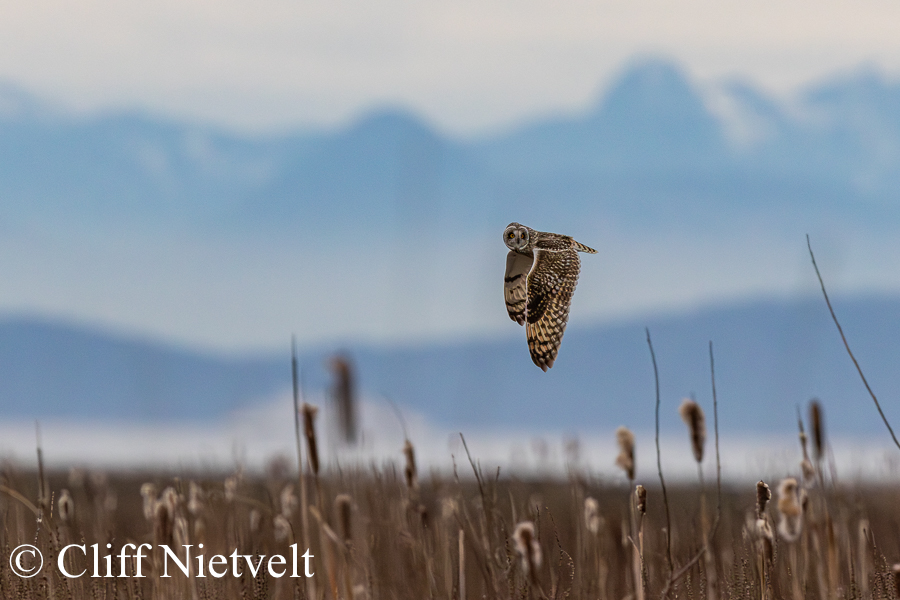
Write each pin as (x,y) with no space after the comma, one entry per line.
(467,66)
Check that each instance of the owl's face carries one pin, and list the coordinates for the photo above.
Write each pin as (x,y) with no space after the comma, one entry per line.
(516,237)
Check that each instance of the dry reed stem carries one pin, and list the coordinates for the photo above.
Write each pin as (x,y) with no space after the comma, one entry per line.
(847,346)
(301,475)
(662,481)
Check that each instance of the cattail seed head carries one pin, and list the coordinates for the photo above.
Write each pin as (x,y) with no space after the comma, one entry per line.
(343,509)
(66,507)
(692,415)
(196,499)
(231,488)
(412,477)
(527,547)
(640,497)
(283,529)
(169,497)
(808,471)
(148,493)
(309,428)
(790,510)
(625,459)
(763,495)
(344,397)
(788,501)
(895,571)
(180,531)
(817,424)
(289,501)
(449,508)
(200,530)
(592,518)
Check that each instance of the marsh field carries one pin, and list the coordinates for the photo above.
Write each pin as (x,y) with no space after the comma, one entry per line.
(388,531)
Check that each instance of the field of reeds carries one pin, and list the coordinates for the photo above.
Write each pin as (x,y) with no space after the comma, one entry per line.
(387,531)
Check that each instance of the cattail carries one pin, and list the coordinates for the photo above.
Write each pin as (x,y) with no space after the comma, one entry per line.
(200,530)
(66,506)
(806,466)
(449,508)
(625,459)
(309,428)
(148,493)
(528,548)
(592,518)
(790,510)
(817,423)
(283,529)
(163,523)
(254,520)
(231,488)
(343,507)
(289,501)
(180,531)
(195,499)
(640,497)
(169,497)
(344,396)
(692,415)
(808,471)
(763,495)
(412,477)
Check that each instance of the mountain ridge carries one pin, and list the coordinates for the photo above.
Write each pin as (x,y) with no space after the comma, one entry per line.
(651,140)
(771,357)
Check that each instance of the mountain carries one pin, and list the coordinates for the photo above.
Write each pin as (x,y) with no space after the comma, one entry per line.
(652,144)
(771,358)
(60,371)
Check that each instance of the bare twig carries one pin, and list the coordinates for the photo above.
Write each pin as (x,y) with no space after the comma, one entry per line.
(847,346)
(662,481)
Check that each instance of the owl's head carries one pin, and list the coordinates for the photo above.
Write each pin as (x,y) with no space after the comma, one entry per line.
(516,237)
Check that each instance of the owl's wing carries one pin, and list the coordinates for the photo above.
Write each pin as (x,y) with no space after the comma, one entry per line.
(514,284)
(551,284)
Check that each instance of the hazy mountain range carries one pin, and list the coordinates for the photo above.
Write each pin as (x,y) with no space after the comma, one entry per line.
(771,357)
(655,150)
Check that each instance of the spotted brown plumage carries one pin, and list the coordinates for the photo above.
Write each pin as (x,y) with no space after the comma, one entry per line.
(541,274)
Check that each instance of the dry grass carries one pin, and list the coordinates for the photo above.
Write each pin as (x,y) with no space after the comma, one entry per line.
(375,535)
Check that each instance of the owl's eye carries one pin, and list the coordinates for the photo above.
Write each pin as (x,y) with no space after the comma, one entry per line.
(512,235)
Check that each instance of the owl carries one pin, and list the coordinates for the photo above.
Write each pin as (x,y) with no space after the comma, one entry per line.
(541,273)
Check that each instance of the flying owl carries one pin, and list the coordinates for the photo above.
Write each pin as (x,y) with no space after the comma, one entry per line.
(541,273)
